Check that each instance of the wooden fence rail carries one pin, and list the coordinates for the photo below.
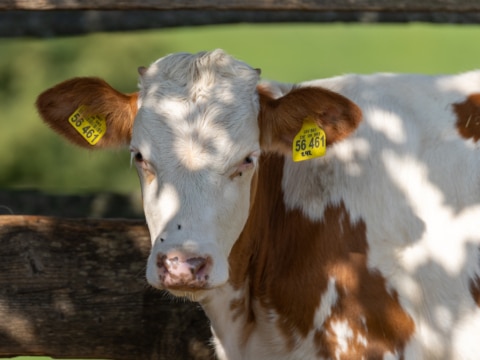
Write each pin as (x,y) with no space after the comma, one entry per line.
(75,288)
(278,5)
(71,17)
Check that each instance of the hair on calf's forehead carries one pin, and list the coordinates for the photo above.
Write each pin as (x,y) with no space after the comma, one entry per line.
(200,104)
(207,84)
(199,72)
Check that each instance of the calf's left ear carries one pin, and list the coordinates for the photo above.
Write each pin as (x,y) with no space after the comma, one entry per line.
(282,118)
(89,112)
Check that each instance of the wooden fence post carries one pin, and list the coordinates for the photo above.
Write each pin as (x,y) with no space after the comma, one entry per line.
(76,288)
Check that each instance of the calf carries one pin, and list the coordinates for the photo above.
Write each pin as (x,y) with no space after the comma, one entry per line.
(364,247)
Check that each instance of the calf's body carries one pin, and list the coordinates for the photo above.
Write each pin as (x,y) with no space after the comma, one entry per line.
(369,252)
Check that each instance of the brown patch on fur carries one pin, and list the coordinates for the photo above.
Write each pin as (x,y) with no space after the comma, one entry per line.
(58,103)
(284,262)
(371,312)
(468,117)
(475,289)
(281,119)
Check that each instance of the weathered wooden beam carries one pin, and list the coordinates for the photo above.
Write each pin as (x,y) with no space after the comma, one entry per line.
(65,22)
(72,17)
(93,205)
(76,288)
(310,5)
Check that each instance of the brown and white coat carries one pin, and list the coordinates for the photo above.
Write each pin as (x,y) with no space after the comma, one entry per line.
(369,252)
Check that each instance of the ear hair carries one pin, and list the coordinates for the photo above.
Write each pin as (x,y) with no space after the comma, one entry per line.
(58,103)
(281,119)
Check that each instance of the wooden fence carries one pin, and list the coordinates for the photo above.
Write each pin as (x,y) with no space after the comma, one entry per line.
(68,17)
(76,287)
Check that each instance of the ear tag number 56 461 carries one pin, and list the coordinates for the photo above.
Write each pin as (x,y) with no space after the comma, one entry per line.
(310,142)
(91,127)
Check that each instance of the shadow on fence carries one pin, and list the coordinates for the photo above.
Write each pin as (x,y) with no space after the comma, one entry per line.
(76,287)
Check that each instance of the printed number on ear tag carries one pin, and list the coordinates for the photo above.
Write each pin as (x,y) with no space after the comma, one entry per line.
(91,128)
(310,142)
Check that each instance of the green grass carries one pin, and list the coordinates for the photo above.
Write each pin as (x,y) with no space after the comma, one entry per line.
(34,358)
(33,157)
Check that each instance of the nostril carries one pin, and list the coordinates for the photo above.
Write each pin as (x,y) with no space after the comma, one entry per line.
(177,270)
(161,261)
(170,263)
(194,264)
(197,264)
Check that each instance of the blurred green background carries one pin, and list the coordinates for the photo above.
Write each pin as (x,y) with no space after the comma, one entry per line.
(31,156)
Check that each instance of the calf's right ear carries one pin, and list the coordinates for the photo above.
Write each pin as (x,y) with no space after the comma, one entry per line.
(280,119)
(89,112)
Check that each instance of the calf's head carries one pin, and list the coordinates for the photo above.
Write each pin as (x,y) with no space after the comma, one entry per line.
(196,130)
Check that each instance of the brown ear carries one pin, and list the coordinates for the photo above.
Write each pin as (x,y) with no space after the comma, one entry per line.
(87,98)
(281,119)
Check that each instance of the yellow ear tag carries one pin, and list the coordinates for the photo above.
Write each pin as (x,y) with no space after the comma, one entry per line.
(310,142)
(91,128)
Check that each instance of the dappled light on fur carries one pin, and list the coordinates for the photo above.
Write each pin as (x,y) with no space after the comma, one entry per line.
(370,251)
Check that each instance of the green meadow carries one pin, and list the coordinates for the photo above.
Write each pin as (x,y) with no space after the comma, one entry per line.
(31,156)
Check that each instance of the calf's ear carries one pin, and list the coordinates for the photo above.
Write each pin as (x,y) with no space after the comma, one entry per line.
(89,112)
(282,118)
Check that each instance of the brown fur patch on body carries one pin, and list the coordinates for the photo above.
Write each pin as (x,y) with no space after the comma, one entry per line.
(475,289)
(284,261)
(468,117)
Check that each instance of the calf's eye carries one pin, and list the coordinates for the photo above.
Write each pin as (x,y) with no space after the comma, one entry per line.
(138,157)
(245,165)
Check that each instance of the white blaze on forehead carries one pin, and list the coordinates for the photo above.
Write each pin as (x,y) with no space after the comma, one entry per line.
(203,79)
(199,146)
(198,110)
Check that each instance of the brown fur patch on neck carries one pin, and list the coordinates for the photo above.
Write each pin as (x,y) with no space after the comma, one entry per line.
(284,262)
(468,117)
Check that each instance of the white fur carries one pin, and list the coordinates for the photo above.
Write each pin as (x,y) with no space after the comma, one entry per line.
(415,182)
(267,341)
(328,300)
(405,172)
(195,126)
(344,335)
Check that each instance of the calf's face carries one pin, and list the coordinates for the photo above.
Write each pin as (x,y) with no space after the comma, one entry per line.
(195,130)
(195,143)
